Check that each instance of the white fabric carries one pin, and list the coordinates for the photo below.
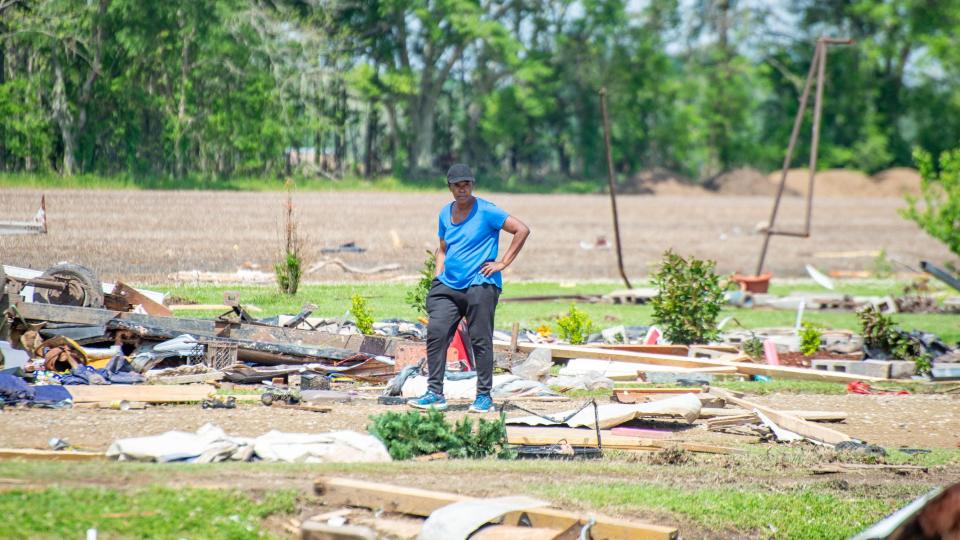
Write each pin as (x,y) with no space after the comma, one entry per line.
(211,444)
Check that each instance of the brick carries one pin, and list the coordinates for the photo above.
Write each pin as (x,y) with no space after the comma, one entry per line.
(409,355)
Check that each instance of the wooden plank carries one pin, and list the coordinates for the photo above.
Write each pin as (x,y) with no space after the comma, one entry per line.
(810,416)
(570,351)
(632,395)
(421,502)
(140,392)
(787,421)
(135,297)
(538,436)
(49,455)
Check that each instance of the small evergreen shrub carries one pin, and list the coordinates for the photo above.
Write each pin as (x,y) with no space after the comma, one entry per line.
(575,327)
(362,315)
(411,434)
(688,301)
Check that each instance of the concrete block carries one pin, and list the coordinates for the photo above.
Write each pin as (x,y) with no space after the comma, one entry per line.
(902,369)
(867,368)
(870,368)
(945,371)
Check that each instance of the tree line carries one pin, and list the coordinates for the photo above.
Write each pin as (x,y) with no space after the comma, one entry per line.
(229,88)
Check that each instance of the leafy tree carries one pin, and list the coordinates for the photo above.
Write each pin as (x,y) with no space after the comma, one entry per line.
(939,215)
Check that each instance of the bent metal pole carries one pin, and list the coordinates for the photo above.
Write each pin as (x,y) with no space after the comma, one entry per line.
(817,69)
(613,191)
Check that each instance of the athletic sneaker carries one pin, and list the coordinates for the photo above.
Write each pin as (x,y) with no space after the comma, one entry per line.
(429,400)
(483,403)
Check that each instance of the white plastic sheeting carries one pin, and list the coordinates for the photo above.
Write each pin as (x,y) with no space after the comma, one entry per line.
(212,444)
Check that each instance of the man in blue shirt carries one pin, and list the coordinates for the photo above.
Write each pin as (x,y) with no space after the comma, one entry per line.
(467,284)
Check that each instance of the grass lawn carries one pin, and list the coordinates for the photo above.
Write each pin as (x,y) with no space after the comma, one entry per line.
(387,300)
(764,493)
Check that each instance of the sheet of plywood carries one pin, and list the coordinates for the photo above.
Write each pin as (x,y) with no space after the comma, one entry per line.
(140,392)
(421,502)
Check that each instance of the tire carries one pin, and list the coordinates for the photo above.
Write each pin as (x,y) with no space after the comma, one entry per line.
(83,287)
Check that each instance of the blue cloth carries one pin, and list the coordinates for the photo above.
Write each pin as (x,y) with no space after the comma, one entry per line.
(471,243)
(14,389)
(52,396)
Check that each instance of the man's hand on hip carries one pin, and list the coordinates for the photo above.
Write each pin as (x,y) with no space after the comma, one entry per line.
(492,267)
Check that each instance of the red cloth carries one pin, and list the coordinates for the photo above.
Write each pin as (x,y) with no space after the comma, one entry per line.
(861,387)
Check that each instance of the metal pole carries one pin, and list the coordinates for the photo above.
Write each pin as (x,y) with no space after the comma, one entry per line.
(815,142)
(613,192)
(797,121)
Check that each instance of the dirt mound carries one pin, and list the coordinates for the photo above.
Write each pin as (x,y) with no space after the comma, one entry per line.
(660,181)
(829,183)
(743,181)
(897,182)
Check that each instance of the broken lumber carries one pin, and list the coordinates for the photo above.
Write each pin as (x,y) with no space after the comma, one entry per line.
(634,395)
(810,416)
(137,298)
(786,372)
(540,436)
(140,392)
(787,421)
(421,502)
(834,468)
(49,455)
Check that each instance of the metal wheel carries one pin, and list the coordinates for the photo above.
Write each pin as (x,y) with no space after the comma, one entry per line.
(83,287)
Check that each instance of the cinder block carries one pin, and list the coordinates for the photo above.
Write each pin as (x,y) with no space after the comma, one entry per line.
(867,368)
(902,369)
(870,368)
(945,371)
(831,365)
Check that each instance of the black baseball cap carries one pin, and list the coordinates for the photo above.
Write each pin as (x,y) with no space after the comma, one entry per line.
(458,172)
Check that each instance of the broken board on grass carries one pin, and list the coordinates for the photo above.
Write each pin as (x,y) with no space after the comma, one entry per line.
(33,454)
(795,424)
(685,406)
(543,436)
(140,392)
(421,502)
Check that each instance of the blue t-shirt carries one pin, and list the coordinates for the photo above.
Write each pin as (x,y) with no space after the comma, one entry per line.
(471,243)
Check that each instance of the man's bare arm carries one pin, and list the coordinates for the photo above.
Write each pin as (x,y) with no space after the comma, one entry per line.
(441,258)
(520,233)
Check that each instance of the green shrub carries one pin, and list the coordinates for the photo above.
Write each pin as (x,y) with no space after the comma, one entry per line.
(289,270)
(880,332)
(411,434)
(753,347)
(575,327)
(939,216)
(417,297)
(810,339)
(688,300)
(288,273)
(362,315)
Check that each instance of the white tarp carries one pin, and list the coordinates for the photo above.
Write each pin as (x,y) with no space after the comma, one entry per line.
(686,406)
(211,444)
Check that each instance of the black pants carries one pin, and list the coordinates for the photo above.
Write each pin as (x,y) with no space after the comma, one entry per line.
(445,308)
